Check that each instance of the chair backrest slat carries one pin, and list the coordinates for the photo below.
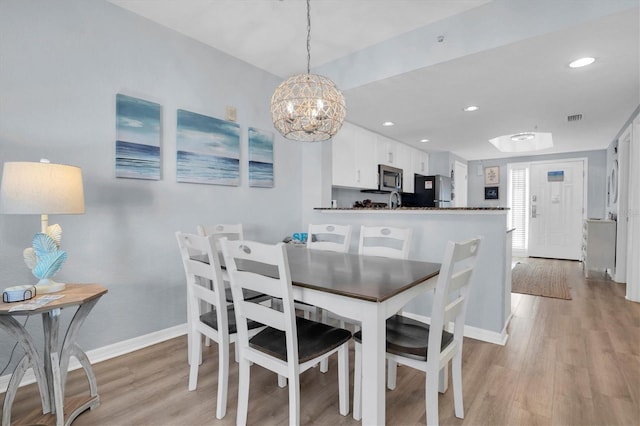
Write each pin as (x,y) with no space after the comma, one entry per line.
(460,279)
(264,315)
(385,241)
(329,237)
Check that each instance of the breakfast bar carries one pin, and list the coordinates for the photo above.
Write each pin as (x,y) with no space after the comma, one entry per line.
(489,308)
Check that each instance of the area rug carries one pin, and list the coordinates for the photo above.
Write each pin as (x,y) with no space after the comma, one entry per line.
(540,278)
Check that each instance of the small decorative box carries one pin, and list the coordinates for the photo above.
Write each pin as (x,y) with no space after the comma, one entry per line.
(18,293)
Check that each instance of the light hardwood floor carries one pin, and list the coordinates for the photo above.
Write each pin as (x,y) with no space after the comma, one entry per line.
(567,362)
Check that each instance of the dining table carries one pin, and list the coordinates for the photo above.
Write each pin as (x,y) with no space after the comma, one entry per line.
(368,289)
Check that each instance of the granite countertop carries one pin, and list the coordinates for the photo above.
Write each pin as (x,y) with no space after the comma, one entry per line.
(413,208)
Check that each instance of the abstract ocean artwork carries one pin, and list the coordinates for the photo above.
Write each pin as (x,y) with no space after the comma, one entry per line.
(208,150)
(137,138)
(260,158)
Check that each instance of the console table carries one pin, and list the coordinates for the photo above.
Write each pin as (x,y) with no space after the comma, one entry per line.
(50,370)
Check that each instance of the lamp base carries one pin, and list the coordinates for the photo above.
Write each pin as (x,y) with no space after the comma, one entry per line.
(46,286)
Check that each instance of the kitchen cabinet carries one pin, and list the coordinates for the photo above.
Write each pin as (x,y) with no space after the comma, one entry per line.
(598,245)
(421,163)
(354,160)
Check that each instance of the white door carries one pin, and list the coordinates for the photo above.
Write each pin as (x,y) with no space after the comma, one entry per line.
(556,209)
(460,174)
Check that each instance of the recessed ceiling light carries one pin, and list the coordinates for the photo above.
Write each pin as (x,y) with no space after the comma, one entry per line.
(582,62)
(388,123)
(424,140)
(471,108)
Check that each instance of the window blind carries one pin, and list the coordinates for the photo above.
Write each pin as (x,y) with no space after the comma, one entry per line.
(519,205)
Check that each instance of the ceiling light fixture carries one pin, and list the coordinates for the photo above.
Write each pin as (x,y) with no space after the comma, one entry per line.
(582,62)
(388,124)
(424,140)
(523,142)
(308,107)
(521,137)
(471,108)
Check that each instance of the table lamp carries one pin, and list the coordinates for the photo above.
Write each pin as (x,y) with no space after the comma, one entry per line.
(42,188)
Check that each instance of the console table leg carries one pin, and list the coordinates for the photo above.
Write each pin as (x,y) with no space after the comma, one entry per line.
(30,359)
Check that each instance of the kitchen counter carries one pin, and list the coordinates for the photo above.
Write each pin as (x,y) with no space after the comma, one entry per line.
(466,210)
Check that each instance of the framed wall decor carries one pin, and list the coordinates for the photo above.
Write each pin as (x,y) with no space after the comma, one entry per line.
(137,138)
(260,158)
(492,175)
(491,193)
(207,149)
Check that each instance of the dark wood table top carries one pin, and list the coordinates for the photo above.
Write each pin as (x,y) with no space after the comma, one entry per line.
(370,278)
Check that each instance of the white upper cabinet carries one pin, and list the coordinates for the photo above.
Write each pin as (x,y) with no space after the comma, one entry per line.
(421,163)
(387,151)
(354,162)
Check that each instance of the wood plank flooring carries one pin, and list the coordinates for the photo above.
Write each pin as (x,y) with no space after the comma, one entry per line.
(567,362)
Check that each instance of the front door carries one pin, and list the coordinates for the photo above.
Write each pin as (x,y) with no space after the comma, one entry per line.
(556,210)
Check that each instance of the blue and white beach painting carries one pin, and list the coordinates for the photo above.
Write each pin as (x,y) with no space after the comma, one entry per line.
(208,150)
(260,158)
(137,138)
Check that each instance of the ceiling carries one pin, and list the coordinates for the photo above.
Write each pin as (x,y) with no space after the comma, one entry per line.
(419,62)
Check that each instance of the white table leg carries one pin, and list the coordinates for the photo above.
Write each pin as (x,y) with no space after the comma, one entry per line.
(373,360)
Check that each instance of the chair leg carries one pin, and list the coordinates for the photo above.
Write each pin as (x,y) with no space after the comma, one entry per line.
(195,352)
(294,399)
(431,397)
(223,378)
(357,383)
(343,378)
(235,351)
(456,373)
(282,381)
(392,371)
(243,391)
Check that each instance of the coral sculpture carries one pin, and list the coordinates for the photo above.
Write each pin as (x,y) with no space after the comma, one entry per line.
(45,258)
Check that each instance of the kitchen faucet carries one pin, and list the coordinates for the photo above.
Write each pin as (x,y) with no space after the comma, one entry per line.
(398,200)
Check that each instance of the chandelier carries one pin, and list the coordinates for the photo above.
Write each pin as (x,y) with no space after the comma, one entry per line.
(308,107)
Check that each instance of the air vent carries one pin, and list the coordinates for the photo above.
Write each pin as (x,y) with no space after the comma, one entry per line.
(575,117)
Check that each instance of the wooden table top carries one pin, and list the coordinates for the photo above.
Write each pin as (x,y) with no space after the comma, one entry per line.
(370,278)
(74,294)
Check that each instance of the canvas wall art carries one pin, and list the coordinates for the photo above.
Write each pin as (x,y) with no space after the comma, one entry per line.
(260,158)
(137,138)
(208,150)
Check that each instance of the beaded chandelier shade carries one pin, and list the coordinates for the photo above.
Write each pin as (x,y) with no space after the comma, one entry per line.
(308,107)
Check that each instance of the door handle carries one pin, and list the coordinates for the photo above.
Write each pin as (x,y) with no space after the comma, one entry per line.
(534,211)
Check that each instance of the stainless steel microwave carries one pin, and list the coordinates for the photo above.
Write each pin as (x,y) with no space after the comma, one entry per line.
(389,178)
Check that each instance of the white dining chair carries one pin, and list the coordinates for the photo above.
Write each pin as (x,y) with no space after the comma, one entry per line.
(429,348)
(329,237)
(209,314)
(290,344)
(385,241)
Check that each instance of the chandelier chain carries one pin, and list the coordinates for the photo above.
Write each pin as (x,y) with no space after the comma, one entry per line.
(308,36)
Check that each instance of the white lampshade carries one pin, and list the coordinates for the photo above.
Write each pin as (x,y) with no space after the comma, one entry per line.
(41,188)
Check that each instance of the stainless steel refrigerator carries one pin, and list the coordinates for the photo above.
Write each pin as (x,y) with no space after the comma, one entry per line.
(432,191)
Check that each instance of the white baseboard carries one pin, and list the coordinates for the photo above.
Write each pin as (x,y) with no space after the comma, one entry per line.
(471,332)
(110,351)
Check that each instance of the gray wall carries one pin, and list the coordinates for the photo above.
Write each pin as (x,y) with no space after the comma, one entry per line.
(61,65)
(596,179)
